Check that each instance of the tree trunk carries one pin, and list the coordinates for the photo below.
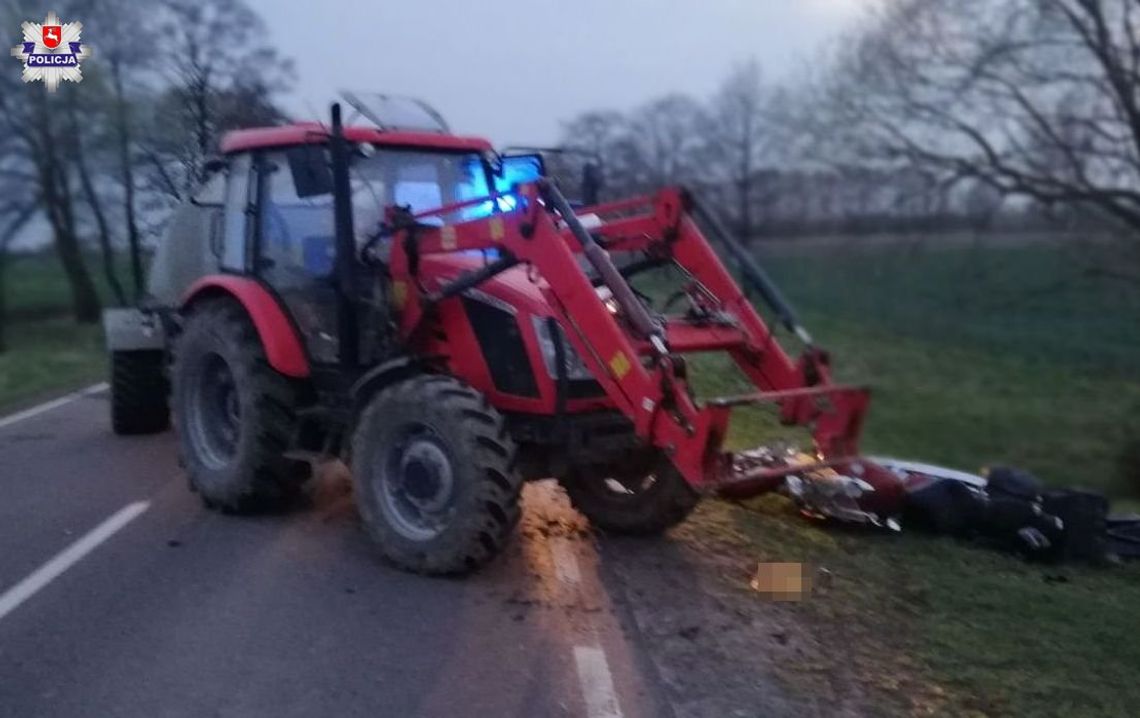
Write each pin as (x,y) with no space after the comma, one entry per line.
(201,91)
(123,135)
(744,198)
(10,231)
(744,186)
(57,202)
(106,248)
(84,298)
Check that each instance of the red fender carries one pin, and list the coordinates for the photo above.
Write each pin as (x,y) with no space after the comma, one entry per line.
(282,345)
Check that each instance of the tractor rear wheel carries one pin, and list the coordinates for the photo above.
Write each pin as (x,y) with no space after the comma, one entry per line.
(235,414)
(434,476)
(639,499)
(140,402)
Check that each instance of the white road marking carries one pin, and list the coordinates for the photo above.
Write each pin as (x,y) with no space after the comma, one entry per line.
(565,562)
(597,683)
(67,558)
(578,585)
(53,404)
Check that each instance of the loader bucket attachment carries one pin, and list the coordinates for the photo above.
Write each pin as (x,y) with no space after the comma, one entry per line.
(835,411)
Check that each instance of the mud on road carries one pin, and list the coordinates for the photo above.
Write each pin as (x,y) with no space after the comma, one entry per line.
(715,647)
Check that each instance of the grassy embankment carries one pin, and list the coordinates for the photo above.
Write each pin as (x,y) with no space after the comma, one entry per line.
(48,352)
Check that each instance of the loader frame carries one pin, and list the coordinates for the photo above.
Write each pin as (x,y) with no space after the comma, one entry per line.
(636,357)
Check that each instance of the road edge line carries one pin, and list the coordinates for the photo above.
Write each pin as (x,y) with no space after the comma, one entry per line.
(11,599)
(6,421)
(597,682)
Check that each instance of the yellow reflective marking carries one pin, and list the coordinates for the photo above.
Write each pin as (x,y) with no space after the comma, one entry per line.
(497,230)
(399,294)
(620,365)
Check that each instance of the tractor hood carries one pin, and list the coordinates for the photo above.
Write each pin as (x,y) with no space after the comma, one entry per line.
(515,286)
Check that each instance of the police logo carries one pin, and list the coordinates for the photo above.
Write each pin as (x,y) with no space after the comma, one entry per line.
(51,52)
(52,36)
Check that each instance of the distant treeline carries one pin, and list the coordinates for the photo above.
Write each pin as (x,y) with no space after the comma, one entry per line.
(928,114)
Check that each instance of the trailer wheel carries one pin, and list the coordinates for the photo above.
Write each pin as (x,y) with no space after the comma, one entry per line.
(434,476)
(637,499)
(235,414)
(140,402)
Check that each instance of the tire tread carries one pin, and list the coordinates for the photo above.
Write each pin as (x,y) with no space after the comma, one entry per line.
(140,402)
(268,479)
(481,534)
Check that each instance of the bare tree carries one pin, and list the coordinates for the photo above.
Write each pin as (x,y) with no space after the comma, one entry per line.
(79,136)
(659,143)
(30,121)
(130,126)
(597,135)
(13,217)
(216,51)
(665,140)
(119,24)
(595,132)
(1037,98)
(16,208)
(739,139)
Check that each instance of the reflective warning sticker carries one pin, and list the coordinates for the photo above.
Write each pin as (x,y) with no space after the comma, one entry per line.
(399,294)
(620,365)
(497,230)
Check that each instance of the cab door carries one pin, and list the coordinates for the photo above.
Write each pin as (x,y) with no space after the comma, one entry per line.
(297,248)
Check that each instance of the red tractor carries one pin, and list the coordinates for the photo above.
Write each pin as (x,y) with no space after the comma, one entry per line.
(442,319)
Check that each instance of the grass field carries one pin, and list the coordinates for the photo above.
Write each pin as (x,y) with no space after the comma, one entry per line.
(1006,356)
(47,352)
(47,357)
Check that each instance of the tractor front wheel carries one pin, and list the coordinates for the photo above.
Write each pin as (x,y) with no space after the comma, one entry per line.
(641,498)
(434,476)
(235,414)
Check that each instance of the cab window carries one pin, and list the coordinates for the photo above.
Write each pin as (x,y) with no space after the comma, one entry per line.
(297,233)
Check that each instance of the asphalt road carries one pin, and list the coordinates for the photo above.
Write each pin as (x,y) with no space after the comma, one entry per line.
(120,595)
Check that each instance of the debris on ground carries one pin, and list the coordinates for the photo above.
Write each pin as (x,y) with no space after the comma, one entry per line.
(1006,508)
(1124,535)
(855,492)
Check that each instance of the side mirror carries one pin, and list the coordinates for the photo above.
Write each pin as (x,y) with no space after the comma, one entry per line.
(519,169)
(312,174)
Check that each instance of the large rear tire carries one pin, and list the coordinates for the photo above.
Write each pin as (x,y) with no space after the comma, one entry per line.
(642,498)
(434,475)
(140,393)
(235,414)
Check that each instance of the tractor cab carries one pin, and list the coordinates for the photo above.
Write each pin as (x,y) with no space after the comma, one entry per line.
(272,197)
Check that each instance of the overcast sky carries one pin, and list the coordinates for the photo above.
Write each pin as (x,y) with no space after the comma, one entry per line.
(512,70)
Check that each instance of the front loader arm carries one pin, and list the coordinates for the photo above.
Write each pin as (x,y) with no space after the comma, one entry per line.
(635,356)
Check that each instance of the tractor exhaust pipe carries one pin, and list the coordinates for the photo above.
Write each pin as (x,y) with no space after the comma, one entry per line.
(347,328)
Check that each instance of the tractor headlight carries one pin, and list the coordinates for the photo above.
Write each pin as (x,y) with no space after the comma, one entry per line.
(576,369)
